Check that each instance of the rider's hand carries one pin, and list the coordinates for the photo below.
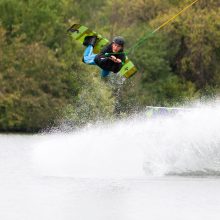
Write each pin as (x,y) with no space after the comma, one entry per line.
(114,59)
(118,61)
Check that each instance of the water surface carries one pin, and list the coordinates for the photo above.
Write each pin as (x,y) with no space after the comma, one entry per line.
(131,170)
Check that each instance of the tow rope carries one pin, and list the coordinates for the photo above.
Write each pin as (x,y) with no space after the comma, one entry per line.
(148,35)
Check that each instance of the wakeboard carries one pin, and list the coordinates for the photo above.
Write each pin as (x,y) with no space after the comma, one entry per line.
(79,32)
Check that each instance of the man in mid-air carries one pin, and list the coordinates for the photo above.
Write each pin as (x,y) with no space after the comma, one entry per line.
(110,59)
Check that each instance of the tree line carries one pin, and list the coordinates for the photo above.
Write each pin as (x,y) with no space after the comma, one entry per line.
(44,83)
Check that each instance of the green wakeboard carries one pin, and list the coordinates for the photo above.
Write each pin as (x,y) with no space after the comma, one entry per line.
(79,32)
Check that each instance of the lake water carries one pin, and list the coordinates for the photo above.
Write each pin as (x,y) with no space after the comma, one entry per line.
(164,168)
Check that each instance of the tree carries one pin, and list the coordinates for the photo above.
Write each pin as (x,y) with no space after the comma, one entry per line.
(196,39)
(34,86)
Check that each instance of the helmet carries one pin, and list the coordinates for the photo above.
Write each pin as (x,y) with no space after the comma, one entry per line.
(119,40)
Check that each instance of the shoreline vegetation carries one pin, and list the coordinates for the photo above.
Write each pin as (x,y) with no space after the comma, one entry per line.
(43,82)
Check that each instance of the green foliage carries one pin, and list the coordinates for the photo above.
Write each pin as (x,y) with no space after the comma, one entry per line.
(43,81)
(197,37)
(33,87)
(94,102)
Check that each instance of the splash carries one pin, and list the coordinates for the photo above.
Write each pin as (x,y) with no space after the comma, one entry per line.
(186,143)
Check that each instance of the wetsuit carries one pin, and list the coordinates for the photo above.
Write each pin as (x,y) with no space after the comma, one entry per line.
(103,61)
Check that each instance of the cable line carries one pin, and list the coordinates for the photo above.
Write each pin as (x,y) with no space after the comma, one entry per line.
(148,35)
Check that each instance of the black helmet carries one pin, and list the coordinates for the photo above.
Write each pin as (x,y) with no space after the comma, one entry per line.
(119,40)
